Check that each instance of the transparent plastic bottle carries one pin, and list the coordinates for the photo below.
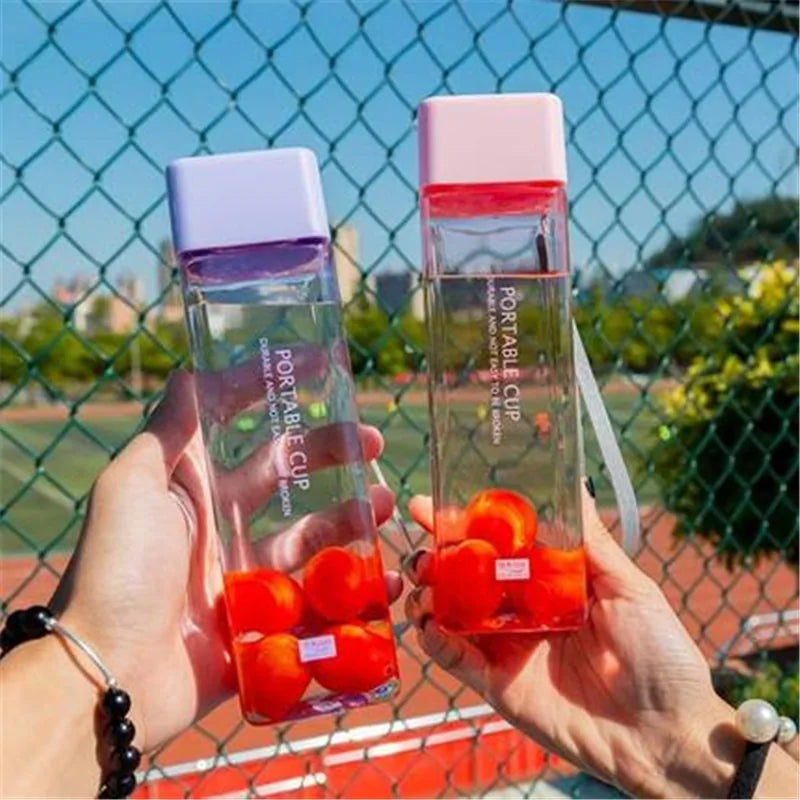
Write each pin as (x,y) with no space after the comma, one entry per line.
(506,445)
(303,582)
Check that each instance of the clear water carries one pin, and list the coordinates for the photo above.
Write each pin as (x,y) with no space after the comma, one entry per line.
(504,408)
(279,420)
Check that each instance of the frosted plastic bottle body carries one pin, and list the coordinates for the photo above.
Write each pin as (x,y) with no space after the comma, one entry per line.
(303,582)
(505,445)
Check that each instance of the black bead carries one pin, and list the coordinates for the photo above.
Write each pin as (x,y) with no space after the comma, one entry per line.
(116,703)
(126,759)
(14,622)
(34,621)
(120,784)
(121,731)
(9,639)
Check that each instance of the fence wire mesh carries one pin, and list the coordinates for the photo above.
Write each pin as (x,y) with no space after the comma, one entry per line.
(682,144)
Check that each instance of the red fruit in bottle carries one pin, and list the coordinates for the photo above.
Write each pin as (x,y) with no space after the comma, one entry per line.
(466,591)
(556,591)
(376,604)
(262,600)
(450,525)
(334,584)
(272,678)
(364,660)
(503,518)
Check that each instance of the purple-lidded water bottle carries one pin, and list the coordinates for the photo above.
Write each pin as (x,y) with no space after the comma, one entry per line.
(304,591)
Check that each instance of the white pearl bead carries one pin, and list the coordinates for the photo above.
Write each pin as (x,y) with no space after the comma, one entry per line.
(757,721)
(787,730)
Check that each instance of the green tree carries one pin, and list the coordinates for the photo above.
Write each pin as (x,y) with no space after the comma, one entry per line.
(755,230)
(633,332)
(769,681)
(12,365)
(163,350)
(56,351)
(727,459)
(114,352)
(367,327)
(97,318)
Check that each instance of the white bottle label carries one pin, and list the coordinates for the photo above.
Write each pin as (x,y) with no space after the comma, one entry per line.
(512,569)
(317,648)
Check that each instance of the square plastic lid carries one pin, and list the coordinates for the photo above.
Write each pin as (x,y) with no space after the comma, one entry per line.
(491,138)
(245,198)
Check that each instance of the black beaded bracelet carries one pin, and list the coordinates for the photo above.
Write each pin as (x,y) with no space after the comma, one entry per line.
(34,623)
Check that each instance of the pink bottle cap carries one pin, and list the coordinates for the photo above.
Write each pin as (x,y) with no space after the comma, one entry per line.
(491,138)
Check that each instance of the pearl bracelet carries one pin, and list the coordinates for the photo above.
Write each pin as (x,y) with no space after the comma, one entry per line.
(760,725)
(759,722)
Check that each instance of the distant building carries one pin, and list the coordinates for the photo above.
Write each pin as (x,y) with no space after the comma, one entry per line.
(171,308)
(400,293)
(345,258)
(125,305)
(393,290)
(75,294)
(417,297)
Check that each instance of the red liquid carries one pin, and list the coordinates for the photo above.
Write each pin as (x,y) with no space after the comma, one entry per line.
(312,644)
(491,574)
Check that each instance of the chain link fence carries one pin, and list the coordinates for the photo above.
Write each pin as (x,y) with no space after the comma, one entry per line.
(682,137)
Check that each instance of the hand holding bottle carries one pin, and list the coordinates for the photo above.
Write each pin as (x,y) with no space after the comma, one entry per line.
(143,585)
(627,697)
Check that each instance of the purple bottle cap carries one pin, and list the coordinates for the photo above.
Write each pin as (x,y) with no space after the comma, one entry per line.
(246,198)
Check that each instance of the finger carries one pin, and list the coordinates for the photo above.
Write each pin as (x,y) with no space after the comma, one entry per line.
(418,567)
(243,490)
(383,501)
(155,452)
(419,605)
(421,509)
(455,654)
(451,652)
(338,525)
(394,586)
(328,446)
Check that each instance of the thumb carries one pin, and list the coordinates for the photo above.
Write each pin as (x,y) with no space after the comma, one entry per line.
(611,571)
(156,451)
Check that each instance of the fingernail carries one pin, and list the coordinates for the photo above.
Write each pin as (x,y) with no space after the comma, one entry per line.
(424,620)
(590,487)
(409,563)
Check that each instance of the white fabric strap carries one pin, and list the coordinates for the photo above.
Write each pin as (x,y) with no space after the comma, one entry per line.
(609,448)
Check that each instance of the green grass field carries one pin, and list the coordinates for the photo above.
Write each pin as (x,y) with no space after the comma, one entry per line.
(39,511)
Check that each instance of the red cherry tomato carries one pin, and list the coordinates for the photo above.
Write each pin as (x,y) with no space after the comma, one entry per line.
(450,525)
(262,600)
(272,679)
(556,591)
(364,660)
(466,591)
(503,518)
(377,604)
(335,585)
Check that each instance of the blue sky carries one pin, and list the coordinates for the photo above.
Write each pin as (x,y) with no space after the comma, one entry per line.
(665,119)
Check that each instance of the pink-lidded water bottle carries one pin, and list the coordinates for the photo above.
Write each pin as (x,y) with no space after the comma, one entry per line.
(506,446)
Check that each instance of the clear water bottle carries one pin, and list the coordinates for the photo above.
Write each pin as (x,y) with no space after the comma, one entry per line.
(303,583)
(503,398)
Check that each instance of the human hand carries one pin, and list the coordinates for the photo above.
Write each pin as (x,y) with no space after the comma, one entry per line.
(143,585)
(627,697)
